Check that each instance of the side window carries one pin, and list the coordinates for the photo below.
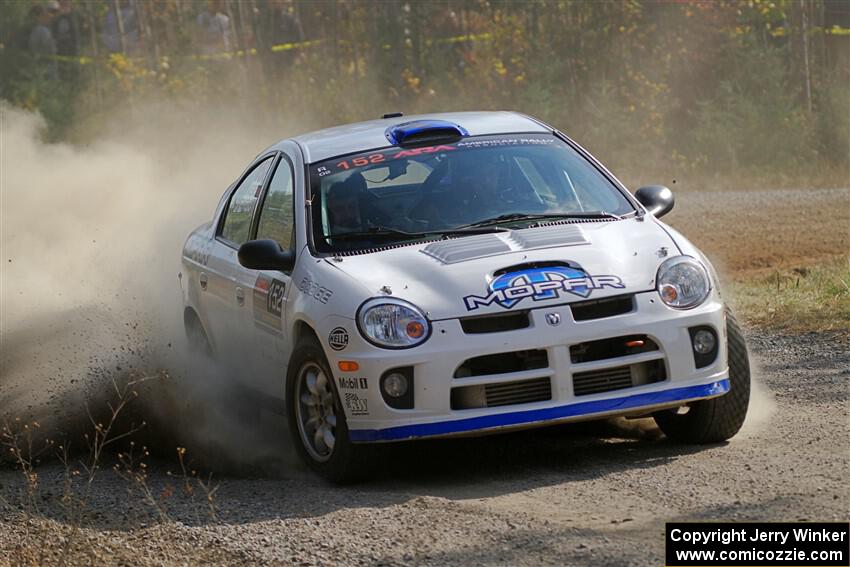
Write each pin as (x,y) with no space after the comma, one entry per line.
(276,218)
(237,220)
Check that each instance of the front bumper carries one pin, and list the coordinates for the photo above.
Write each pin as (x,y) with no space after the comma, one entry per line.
(434,364)
(581,411)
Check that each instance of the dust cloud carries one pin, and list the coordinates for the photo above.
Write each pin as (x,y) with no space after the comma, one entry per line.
(90,239)
(762,405)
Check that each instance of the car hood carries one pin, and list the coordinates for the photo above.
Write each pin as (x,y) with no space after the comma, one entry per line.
(517,269)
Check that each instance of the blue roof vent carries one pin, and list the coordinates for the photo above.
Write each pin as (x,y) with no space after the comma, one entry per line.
(424,132)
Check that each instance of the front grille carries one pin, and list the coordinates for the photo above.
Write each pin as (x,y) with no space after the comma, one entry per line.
(501,394)
(495,323)
(597,381)
(510,393)
(503,363)
(601,308)
(618,378)
(611,348)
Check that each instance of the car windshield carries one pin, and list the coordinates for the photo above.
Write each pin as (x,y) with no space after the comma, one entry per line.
(477,184)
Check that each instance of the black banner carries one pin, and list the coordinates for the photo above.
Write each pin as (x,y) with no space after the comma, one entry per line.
(741,544)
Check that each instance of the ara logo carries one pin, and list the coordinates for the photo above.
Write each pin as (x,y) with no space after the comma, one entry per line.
(540,284)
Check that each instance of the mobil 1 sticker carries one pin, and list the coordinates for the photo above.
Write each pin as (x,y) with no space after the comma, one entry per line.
(349,383)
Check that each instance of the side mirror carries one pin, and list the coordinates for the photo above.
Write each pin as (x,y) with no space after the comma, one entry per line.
(657,199)
(265,255)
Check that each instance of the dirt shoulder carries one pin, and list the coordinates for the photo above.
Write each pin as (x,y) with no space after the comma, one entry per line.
(564,495)
(750,233)
(783,255)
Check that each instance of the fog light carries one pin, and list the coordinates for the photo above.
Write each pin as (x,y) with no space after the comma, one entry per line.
(704,341)
(395,385)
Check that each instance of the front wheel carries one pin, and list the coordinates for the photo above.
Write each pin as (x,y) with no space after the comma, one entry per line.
(316,418)
(717,419)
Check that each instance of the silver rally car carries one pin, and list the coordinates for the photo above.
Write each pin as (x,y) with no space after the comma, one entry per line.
(457,274)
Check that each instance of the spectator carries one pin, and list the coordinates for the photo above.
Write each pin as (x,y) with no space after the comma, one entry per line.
(22,40)
(214,29)
(41,43)
(284,23)
(281,26)
(112,32)
(66,32)
(66,29)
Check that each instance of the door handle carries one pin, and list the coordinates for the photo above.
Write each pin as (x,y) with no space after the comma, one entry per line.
(203,280)
(240,296)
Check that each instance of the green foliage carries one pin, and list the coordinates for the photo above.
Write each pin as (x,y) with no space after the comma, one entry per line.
(680,88)
(753,119)
(832,122)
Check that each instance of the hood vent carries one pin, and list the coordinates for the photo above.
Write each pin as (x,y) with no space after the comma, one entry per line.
(548,237)
(473,247)
(468,248)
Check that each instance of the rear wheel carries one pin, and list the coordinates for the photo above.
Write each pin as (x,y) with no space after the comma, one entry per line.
(195,335)
(717,419)
(316,418)
(235,400)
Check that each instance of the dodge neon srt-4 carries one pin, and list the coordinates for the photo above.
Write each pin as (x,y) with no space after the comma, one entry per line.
(456,274)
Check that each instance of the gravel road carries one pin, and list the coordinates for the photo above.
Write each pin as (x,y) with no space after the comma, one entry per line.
(569,495)
(91,294)
(584,494)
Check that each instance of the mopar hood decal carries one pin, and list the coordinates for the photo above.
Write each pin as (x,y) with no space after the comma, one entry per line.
(619,257)
(507,290)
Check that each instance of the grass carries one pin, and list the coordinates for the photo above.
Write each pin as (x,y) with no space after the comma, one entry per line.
(812,298)
(56,513)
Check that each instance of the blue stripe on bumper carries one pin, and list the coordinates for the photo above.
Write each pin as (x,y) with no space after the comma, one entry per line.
(545,414)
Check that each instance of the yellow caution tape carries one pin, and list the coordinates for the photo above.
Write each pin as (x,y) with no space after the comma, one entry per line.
(836,30)
(462,38)
(288,46)
(487,36)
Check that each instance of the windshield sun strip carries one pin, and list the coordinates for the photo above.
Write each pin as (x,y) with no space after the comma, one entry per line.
(319,241)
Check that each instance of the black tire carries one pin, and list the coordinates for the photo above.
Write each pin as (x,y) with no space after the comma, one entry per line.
(234,399)
(717,419)
(197,338)
(347,462)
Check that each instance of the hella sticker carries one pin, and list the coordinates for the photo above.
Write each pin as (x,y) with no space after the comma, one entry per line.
(540,284)
(338,338)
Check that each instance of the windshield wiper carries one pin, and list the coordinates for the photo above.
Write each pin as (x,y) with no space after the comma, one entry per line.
(542,216)
(373,232)
(384,232)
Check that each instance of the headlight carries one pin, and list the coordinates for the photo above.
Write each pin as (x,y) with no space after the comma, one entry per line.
(392,323)
(682,282)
